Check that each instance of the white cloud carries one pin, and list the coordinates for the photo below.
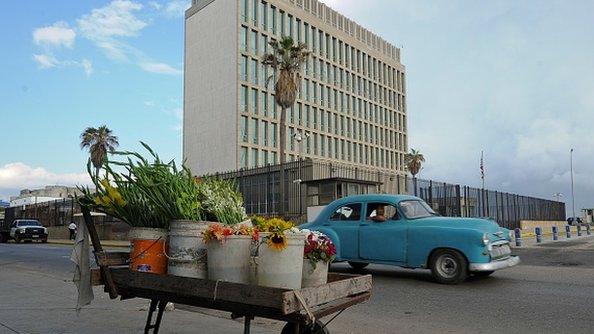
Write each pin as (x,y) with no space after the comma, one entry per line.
(58,34)
(160,68)
(155,5)
(87,65)
(177,8)
(45,61)
(178,114)
(18,175)
(107,24)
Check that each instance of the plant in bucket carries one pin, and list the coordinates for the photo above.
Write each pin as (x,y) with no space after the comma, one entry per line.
(228,250)
(279,255)
(228,240)
(318,253)
(120,195)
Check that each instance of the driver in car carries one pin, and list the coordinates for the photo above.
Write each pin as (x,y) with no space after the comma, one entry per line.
(380,214)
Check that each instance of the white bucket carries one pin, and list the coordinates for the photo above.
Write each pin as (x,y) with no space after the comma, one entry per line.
(280,269)
(230,261)
(314,276)
(187,251)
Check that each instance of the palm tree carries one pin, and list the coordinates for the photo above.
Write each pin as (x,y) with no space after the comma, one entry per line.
(413,161)
(286,59)
(98,141)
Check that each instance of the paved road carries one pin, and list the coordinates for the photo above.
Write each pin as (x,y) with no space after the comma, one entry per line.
(552,291)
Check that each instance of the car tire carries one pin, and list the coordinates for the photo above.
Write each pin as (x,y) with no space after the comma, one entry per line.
(358,265)
(482,273)
(3,238)
(448,266)
(318,328)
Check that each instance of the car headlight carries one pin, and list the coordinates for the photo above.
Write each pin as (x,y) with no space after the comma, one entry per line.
(485,239)
(22,230)
(511,234)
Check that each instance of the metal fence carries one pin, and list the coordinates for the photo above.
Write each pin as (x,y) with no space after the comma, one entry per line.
(260,188)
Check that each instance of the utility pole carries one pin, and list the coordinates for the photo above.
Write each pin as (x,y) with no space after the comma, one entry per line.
(572,193)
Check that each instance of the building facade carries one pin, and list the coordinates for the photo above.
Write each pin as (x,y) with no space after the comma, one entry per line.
(351,108)
(46,194)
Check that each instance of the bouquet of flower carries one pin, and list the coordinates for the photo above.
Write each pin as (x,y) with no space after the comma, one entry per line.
(318,247)
(221,232)
(278,229)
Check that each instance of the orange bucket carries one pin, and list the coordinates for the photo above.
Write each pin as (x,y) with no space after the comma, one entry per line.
(148,250)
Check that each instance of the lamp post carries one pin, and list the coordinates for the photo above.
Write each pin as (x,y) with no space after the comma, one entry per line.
(299,137)
(572,193)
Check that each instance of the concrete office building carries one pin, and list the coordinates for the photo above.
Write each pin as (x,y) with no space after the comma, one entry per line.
(351,108)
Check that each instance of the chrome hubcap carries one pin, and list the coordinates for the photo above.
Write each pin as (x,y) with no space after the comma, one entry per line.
(447,266)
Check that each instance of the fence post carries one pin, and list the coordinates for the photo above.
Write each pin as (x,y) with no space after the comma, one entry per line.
(568,231)
(518,237)
(458,202)
(538,232)
(555,233)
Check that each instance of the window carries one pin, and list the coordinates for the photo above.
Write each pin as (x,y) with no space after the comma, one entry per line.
(254,71)
(244,39)
(273,135)
(254,101)
(243,128)
(272,26)
(380,212)
(243,157)
(254,127)
(264,135)
(255,12)
(416,209)
(254,157)
(244,99)
(349,212)
(264,14)
(254,42)
(244,68)
(244,8)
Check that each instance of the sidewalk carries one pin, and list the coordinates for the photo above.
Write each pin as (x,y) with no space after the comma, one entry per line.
(104,243)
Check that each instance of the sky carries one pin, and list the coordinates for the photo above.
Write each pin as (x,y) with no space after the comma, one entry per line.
(514,79)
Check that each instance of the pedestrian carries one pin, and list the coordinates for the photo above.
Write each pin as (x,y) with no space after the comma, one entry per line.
(72,229)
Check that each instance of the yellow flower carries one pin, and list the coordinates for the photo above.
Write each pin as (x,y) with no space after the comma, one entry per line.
(277,241)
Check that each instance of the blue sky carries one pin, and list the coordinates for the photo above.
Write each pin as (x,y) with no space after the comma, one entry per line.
(515,79)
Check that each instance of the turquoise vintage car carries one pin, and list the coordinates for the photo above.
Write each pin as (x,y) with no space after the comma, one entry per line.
(404,231)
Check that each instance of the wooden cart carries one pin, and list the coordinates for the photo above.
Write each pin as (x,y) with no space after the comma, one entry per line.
(301,309)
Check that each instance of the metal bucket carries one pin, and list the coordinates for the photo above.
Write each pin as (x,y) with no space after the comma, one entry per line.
(148,253)
(187,251)
(230,261)
(314,276)
(280,269)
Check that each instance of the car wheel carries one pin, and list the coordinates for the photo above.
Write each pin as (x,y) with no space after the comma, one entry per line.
(3,239)
(358,265)
(318,328)
(482,273)
(449,266)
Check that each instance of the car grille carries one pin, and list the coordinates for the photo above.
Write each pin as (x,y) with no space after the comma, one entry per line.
(500,251)
(34,230)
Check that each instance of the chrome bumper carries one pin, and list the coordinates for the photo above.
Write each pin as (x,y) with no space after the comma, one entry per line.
(495,265)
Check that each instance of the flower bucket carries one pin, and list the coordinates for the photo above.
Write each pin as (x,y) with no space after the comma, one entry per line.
(314,276)
(187,251)
(280,268)
(148,253)
(230,260)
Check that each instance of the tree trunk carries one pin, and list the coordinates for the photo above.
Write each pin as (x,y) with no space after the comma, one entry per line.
(281,150)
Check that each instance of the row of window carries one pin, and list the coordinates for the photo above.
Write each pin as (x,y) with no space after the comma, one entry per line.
(259,14)
(264,133)
(376,125)
(318,69)
(325,147)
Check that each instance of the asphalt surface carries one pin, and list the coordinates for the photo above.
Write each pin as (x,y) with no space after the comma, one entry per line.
(552,291)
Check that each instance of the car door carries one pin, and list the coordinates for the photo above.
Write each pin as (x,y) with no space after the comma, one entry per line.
(383,236)
(344,220)
(13,229)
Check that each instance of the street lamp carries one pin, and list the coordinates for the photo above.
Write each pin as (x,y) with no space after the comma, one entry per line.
(572,193)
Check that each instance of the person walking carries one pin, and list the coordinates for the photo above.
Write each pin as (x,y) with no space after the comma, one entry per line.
(72,229)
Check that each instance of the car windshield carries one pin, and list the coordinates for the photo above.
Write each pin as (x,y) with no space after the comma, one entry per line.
(28,223)
(416,209)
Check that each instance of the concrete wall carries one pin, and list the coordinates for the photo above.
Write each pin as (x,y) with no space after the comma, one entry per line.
(530,225)
(210,87)
(106,231)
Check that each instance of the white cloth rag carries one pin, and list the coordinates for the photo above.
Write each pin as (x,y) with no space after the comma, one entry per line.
(82,270)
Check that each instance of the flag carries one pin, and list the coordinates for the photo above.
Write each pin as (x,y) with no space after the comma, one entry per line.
(482,167)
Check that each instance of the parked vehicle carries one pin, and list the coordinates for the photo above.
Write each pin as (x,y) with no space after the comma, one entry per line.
(575,221)
(404,231)
(23,230)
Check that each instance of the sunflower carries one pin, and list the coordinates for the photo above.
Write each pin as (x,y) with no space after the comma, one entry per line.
(277,241)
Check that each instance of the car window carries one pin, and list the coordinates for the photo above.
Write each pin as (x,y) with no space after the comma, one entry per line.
(378,211)
(416,209)
(349,212)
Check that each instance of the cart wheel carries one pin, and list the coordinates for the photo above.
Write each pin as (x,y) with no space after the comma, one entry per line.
(317,328)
